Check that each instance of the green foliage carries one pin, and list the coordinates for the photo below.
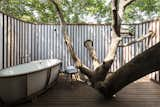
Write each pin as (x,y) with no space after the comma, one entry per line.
(35,10)
(29,10)
(142,10)
(77,11)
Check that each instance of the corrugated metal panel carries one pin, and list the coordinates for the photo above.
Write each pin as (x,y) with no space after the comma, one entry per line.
(17,31)
(24,42)
(5,42)
(1,40)
(9,42)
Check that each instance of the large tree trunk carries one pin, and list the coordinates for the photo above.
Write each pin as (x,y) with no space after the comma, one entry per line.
(143,64)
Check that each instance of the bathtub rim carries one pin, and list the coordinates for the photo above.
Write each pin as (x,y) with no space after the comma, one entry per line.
(38,70)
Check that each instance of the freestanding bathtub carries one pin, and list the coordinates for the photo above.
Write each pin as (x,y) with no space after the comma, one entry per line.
(26,81)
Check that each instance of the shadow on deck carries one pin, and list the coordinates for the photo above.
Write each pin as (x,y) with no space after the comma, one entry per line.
(64,94)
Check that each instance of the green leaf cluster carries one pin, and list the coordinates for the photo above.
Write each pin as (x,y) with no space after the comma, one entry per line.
(76,11)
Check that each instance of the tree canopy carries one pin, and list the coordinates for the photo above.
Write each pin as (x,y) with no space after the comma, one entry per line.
(78,11)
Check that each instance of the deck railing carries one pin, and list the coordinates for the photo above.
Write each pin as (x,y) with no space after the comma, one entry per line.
(22,42)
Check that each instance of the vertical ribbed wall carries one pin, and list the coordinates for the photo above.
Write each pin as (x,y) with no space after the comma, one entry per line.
(25,42)
(22,42)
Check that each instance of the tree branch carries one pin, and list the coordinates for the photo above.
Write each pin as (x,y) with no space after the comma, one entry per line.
(85,70)
(112,50)
(115,19)
(127,2)
(141,65)
(100,73)
(66,37)
(102,70)
(117,15)
(116,25)
(60,15)
(67,40)
(92,53)
(122,6)
(139,39)
(126,33)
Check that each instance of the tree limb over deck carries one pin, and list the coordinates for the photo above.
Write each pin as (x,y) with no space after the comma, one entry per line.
(133,70)
(149,34)
(84,69)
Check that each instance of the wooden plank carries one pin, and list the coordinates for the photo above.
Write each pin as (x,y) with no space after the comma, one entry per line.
(142,93)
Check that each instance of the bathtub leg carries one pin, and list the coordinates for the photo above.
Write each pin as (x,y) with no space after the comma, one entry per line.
(5,105)
(67,76)
(1,102)
(34,99)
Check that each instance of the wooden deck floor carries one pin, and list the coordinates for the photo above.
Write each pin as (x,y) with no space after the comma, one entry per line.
(63,94)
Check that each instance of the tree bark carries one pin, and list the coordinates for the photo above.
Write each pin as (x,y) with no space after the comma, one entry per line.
(149,34)
(103,69)
(143,64)
(84,69)
(92,53)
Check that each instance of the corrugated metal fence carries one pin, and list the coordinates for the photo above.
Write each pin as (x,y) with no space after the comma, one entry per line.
(22,42)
